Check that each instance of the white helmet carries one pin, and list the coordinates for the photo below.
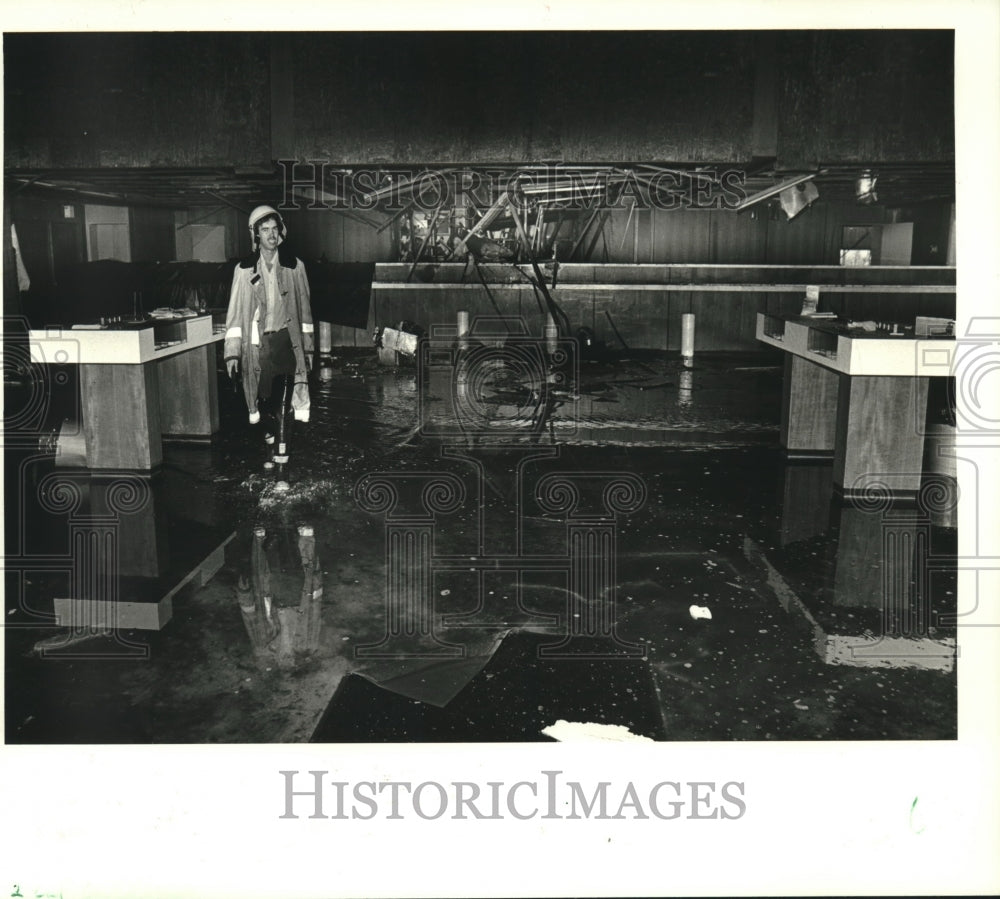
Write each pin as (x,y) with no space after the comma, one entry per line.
(262,212)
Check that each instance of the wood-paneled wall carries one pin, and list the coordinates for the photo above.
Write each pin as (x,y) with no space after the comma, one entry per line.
(716,236)
(640,307)
(720,236)
(152,234)
(332,236)
(647,318)
(49,239)
(638,318)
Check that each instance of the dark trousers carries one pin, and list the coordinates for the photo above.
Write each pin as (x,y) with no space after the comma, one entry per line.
(276,358)
(277,369)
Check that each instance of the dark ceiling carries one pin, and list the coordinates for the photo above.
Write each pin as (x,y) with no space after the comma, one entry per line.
(200,119)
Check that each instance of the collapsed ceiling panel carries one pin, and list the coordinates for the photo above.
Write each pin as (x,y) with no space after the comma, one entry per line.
(374,192)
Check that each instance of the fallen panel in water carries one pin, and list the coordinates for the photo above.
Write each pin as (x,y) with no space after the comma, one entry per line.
(514,698)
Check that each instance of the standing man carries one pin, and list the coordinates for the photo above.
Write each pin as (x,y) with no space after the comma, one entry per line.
(269,329)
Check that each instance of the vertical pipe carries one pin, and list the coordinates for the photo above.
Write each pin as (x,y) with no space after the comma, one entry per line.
(685,387)
(461,372)
(687,335)
(551,334)
(325,339)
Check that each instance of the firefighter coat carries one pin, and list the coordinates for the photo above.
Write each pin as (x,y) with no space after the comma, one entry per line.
(245,325)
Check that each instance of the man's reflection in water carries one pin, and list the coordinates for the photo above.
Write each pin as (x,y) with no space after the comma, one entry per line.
(281,633)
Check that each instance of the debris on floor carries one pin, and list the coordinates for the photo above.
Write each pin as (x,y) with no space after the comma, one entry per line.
(580,732)
(713,478)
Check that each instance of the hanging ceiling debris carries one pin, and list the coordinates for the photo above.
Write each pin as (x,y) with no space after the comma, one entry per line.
(371,194)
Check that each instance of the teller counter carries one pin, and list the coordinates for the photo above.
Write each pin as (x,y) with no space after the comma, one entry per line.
(140,383)
(860,396)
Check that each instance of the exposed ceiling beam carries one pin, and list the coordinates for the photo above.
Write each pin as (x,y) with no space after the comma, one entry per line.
(762,195)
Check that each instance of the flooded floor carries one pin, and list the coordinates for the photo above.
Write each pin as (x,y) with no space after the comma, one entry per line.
(541,549)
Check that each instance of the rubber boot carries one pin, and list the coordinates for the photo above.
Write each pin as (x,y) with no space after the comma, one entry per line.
(269,424)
